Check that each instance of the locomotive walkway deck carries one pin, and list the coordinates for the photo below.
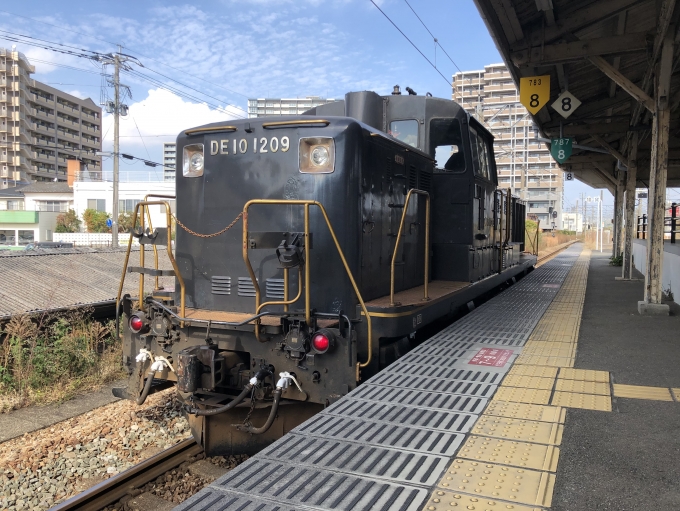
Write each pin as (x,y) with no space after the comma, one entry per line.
(497,411)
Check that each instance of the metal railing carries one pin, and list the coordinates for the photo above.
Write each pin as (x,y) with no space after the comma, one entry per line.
(427,242)
(307,271)
(670,226)
(136,215)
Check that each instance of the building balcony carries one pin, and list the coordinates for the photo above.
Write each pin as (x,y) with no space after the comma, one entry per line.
(68,109)
(89,129)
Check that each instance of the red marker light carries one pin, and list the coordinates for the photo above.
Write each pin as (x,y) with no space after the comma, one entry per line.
(136,324)
(320,343)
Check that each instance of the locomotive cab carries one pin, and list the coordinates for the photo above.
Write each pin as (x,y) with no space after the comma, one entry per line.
(310,251)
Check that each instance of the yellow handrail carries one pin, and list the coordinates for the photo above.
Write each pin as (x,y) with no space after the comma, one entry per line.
(427,242)
(148,218)
(246,260)
(285,302)
(168,214)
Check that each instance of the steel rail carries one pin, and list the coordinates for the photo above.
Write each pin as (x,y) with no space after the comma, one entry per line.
(114,488)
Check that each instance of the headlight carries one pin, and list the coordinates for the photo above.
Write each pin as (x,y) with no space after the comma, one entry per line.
(193,160)
(317,155)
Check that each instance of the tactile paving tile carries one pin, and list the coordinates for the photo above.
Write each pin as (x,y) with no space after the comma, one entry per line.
(499,482)
(379,434)
(358,459)
(526,411)
(640,392)
(439,420)
(519,429)
(525,370)
(520,395)
(676,393)
(583,387)
(411,397)
(567,373)
(529,382)
(211,499)
(459,387)
(319,489)
(509,452)
(545,361)
(449,501)
(587,401)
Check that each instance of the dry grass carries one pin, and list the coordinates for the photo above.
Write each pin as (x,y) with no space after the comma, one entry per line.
(49,359)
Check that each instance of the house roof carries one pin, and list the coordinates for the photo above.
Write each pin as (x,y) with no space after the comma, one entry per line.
(47,187)
(45,280)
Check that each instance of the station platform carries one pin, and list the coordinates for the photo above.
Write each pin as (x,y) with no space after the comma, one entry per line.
(555,394)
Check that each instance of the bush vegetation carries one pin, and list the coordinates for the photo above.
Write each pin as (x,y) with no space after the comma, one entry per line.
(95,221)
(68,222)
(50,358)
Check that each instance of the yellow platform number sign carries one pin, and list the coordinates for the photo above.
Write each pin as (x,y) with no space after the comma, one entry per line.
(534,92)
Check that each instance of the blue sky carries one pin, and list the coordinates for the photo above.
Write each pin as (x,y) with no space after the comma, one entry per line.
(230,50)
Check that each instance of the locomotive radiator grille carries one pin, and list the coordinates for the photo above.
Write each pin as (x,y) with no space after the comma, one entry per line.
(220,285)
(245,287)
(274,289)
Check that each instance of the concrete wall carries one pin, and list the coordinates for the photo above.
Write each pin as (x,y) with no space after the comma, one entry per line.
(670,277)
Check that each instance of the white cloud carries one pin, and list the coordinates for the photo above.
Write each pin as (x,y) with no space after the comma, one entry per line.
(159,118)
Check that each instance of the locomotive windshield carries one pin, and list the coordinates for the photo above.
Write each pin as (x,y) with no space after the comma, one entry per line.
(446,144)
(406,131)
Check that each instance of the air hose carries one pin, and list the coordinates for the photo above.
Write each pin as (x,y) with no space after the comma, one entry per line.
(216,411)
(147,387)
(270,420)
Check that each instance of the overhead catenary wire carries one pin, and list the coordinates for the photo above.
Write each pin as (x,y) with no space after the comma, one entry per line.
(411,42)
(436,40)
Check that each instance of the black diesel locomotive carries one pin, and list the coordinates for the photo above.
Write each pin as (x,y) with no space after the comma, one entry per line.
(364,221)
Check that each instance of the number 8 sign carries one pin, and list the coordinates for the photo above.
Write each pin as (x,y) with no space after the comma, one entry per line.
(560,149)
(534,92)
(566,103)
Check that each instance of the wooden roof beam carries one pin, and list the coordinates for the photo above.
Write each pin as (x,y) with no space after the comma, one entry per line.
(605,173)
(616,154)
(565,52)
(507,17)
(636,92)
(590,129)
(574,21)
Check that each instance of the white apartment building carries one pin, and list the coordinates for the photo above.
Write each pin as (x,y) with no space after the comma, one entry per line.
(263,107)
(169,163)
(41,127)
(524,164)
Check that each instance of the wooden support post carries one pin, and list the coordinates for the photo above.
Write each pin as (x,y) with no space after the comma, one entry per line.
(631,179)
(618,214)
(656,207)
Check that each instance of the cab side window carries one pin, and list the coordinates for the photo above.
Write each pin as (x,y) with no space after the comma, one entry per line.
(446,145)
(480,155)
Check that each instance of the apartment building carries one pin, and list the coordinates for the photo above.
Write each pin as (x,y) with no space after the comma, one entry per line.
(42,127)
(263,107)
(524,164)
(169,163)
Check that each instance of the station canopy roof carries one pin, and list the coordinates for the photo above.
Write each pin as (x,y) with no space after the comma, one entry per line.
(605,53)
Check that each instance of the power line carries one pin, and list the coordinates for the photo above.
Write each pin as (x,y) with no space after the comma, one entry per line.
(436,41)
(412,44)
(138,52)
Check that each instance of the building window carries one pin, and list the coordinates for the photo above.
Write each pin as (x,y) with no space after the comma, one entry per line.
(26,237)
(51,205)
(7,237)
(127,205)
(12,205)
(96,204)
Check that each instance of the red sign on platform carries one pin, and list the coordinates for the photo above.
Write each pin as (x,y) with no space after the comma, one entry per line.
(491,357)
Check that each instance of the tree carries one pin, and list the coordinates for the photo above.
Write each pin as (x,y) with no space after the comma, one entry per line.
(125,222)
(68,222)
(95,221)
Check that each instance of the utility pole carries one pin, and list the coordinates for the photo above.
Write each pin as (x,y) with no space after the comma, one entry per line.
(117,108)
(600,221)
(116,145)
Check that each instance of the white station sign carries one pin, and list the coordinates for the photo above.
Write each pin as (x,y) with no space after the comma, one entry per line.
(566,103)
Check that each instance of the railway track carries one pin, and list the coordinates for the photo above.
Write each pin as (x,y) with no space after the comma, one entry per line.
(116,487)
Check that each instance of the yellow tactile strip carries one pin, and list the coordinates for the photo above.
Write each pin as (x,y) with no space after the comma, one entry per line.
(509,452)
(583,387)
(522,395)
(529,382)
(542,371)
(587,401)
(450,501)
(518,429)
(639,392)
(493,481)
(584,375)
(526,411)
